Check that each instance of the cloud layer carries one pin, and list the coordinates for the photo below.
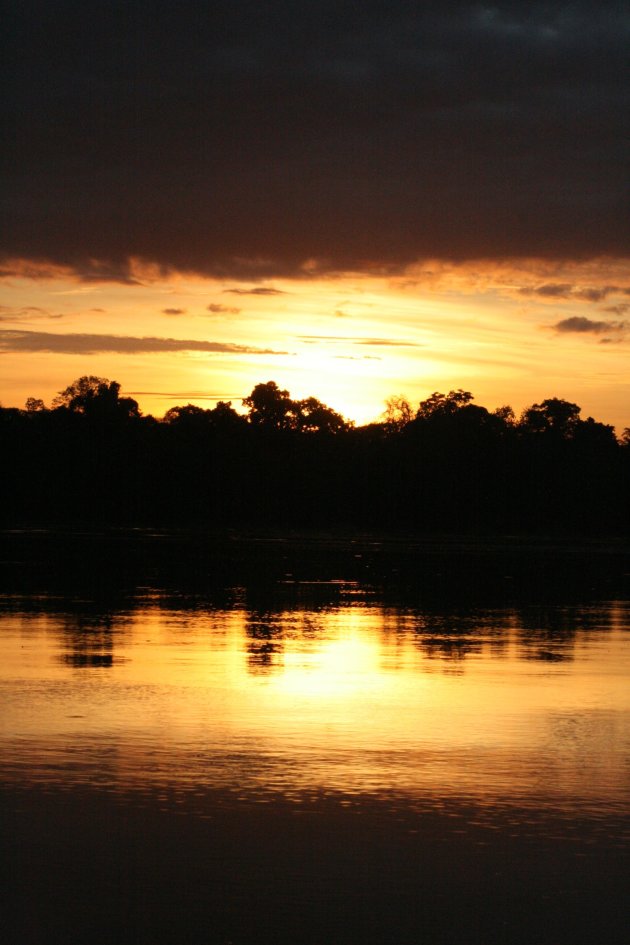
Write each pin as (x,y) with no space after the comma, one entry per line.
(251,140)
(32,341)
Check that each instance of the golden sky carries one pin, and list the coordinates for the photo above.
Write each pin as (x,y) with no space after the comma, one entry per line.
(512,332)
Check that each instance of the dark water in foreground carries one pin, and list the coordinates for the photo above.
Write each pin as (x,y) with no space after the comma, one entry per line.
(322,742)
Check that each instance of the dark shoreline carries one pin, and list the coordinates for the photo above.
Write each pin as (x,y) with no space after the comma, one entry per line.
(164,556)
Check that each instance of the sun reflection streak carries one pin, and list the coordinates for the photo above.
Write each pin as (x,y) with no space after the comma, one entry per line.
(345,667)
(352,698)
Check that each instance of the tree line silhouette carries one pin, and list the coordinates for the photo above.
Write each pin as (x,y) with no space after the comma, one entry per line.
(448,466)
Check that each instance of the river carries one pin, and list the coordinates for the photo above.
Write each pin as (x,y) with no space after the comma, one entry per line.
(330,742)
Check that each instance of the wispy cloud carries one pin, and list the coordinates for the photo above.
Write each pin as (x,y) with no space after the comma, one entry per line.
(260,290)
(542,280)
(352,357)
(583,326)
(388,343)
(25,313)
(564,290)
(217,309)
(619,309)
(550,290)
(185,395)
(350,339)
(31,341)
(173,311)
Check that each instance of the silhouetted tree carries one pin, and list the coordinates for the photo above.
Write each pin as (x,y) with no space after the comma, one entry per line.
(594,435)
(440,405)
(96,397)
(269,406)
(311,415)
(273,409)
(397,414)
(506,414)
(179,414)
(455,420)
(552,416)
(225,418)
(454,466)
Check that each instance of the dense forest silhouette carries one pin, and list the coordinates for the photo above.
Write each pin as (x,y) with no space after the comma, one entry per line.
(449,466)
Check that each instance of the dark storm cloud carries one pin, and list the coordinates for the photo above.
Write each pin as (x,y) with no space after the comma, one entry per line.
(48,266)
(31,341)
(580,325)
(251,140)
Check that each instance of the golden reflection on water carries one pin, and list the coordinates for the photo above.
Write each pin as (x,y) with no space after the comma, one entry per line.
(499,707)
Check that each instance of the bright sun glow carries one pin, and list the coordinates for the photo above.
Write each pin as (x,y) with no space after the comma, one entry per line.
(339,669)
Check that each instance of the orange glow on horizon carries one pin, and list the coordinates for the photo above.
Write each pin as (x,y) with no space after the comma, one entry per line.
(351,340)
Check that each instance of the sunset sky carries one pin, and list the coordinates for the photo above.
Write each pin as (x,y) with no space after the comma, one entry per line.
(354,200)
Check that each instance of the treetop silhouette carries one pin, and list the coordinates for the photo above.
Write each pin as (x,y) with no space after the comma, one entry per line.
(449,465)
(271,408)
(96,397)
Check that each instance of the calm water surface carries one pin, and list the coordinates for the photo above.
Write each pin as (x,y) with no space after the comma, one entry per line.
(312,760)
